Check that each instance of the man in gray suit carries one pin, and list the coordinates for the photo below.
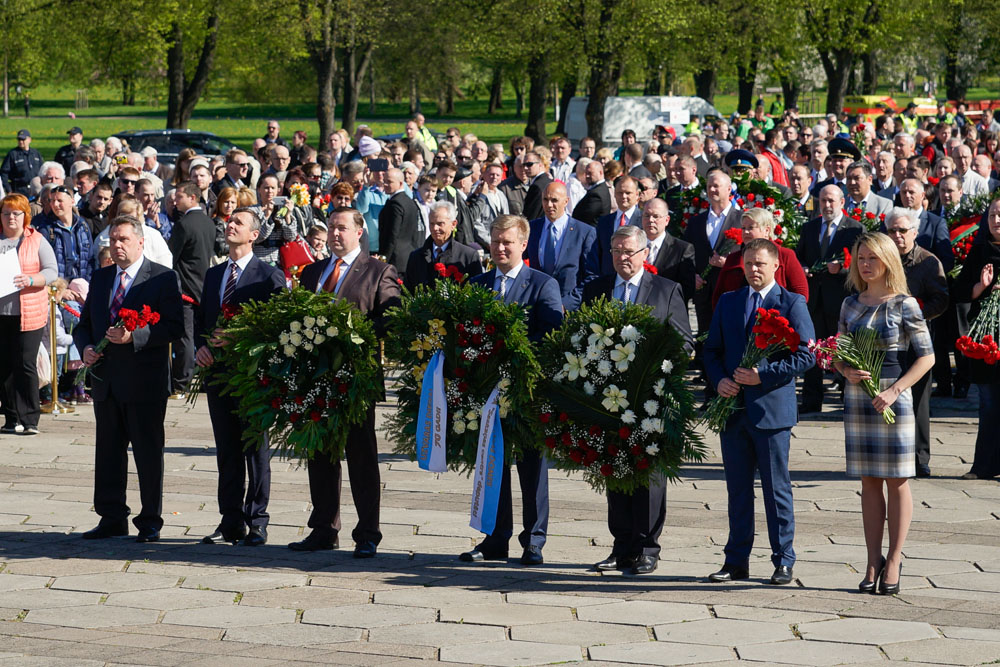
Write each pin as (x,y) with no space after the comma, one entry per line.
(859,191)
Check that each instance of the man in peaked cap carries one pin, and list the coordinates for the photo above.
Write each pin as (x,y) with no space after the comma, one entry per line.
(20,165)
(740,161)
(843,153)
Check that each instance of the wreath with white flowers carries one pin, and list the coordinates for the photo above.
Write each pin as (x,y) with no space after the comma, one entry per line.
(485,343)
(613,402)
(303,371)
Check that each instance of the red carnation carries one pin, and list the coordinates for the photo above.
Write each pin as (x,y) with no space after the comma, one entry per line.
(299,400)
(545,417)
(275,403)
(294,417)
(550,442)
(735,234)
(606,470)
(321,403)
(563,417)
(315,416)
(490,329)
(463,387)
(612,450)
(441,269)
(566,438)
(589,457)
(342,388)
(264,381)
(704,205)
(624,432)
(576,455)
(847,258)
(769,201)
(650,268)
(642,464)
(476,322)
(595,431)
(459,372)
(751,196)
(870,215)
(477,339)
(636,450)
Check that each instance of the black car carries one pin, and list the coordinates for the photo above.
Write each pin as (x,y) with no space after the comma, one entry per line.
(168,143)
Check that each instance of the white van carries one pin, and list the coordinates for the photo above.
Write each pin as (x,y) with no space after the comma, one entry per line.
(641,114)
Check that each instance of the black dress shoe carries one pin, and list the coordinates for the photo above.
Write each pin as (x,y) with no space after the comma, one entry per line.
(532,556)
(961,390)
(148,535)
(923,470)
(103,531)
(730,573)
(315,542)
(644,565)
(223,537)
(614,562)
(889,589)
(256,537)
(477,556)
(782,575)
(365,549)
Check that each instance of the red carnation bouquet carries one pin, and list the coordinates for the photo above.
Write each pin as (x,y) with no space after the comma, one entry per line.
(871,221)
(981,343)
(843,257)
(128,319)
(732,239)
(772,333)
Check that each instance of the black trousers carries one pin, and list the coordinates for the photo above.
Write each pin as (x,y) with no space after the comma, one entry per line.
(636,520)
(533,477)
(702,301)
(237,465)
(182,365)
(921,391)
(118,424)
(325,476)
(946,329)
(825,323)
(18,359)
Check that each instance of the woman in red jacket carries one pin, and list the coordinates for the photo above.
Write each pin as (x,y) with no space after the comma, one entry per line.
(758,223)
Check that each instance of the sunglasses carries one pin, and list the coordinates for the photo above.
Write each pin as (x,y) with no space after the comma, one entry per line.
(128,182)
(63,189)
(528,164)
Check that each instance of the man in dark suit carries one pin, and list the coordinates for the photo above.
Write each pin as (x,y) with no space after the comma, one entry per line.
(538,182)
(843,153)
(132,381)
(400,230)
(562,247)
(628,213)
(597,201)
(636,519)
(686,174)
(672,257)
(192,242)
(441,248)
(515,282)
(758,434)
(373,287)
(824,239)
(798,183)
(932,232)
(241,279)
(237,171)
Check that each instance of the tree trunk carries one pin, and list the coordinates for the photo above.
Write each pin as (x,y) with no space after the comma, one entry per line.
(319,41)
(605,72)
(852,81)
(746,76)
(496,88)
(869,74)
(668,81)
(566,93)
(371,89)
(538,76)
(449,96)
(518,85)
(791,89)
(125,91)
(654,76)
(354,64)
(184,94)
(955,84)
(414,96)
(705,83)
(837,65)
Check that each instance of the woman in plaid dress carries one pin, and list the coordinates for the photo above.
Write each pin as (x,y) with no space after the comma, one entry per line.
(880,453)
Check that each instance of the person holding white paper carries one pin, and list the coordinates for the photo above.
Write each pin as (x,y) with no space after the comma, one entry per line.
(23,315)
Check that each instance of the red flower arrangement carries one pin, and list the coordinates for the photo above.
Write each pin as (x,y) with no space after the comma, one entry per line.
(449,272)
(772,333)
(649,268)
(732,239)
(843,257)
(871,221)
(981,343)
(128,319)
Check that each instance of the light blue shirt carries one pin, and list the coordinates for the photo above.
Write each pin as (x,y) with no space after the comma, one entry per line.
(511,277)
(345,268)
(369,203)
(132,272)
(619,292)
(748,309)
(560,226)
(241,266)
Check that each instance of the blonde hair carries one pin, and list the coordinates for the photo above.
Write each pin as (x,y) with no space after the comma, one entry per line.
(760,218)
(504,222)
(887,253)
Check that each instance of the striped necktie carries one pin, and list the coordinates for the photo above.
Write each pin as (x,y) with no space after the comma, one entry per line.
(227,296)
(116,302)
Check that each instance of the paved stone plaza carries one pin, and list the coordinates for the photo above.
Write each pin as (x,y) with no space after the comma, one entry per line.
(67,601)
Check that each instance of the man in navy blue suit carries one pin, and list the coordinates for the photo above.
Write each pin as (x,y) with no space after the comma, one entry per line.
(241,279)
(561,246)
(516,283)
(628,213)
(758,434)
(636,519)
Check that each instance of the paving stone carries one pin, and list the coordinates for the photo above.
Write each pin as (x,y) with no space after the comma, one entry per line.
(580,633)
(437,634)
(864,631)
(511,653)
(660,653)
(787,616)
(304,597)
(643,612)
(799,652)
(167,599)
(946,651)
(436,597)
(554,600)
(369,615)
(44,661)
(981,634)
(20,582)
(229,617)
(506,615)
(723,632)
(293,634)
(245,581)
(95,616)
(64,567)
(46,598)
(977,581)
(114,582)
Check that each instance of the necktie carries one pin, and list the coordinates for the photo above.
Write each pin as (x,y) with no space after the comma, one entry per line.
(622,221)
(825,243)
(628,292)
(503,286)
(116,302)
(437,252)
(331,283)
(755,303)
(549,260)
(652,254)
(227,295)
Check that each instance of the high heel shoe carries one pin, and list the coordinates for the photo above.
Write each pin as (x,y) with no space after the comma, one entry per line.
(869,586)
(890,589)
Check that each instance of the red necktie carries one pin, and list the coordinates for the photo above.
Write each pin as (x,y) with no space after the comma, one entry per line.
(331,283)
(623,221)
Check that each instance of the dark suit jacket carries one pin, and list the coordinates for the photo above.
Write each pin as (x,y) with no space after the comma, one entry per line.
(192,243)
(226,182)
(696,235)
(822,184)
(533,198)
(258,282)
(789,275)
(594,204)
(399,230)
(606,226)
(826,292)
(675,261)
(535,290)
(771,404)
(574,267)
(420,266)
(932,235)
(137,372)
(665,296)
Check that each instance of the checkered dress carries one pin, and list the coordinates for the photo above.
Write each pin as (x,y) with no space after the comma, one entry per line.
(874,448)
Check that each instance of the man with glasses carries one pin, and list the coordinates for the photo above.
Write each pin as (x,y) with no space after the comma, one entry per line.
(273,134)
(628,213)
(237,171)
(927,284)
(538,181)
(20,165)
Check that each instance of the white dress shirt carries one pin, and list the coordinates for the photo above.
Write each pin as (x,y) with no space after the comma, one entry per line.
(241,265)
(345,268)
(714,225)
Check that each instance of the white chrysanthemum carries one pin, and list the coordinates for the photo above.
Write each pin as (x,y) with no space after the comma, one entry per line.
(588,388)
(658,387)
(471,414)
(473,425)
(623,355)
(629,333)
(646,425)
(307,346)
(658,425)
(653,449)
(295,326)
(604,367)
(319,339)
(628,417)
(593,353)
(667,366)
(615,399)
(651,407)
(309,333)
(331,331)
(283,338)
(575,366)
(321,321)
(504,384)
(289,351)
(458,427)
(308,321)
(295,339)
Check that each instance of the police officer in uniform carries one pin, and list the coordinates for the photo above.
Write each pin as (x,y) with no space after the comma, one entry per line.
(20,165)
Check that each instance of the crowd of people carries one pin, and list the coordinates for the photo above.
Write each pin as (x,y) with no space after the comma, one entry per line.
(551,226)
